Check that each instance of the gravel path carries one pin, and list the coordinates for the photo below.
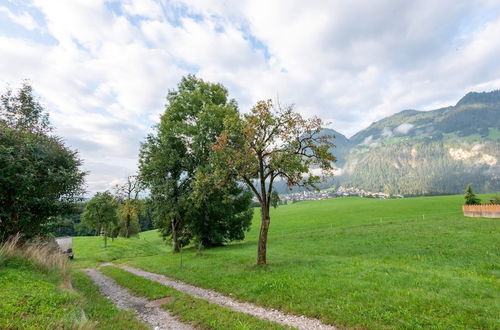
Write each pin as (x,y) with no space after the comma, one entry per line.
(300,322)
(156,317)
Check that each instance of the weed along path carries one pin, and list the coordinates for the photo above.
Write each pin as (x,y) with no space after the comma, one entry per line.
(146,311)
(273,315)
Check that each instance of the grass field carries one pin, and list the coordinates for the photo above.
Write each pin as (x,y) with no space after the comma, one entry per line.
(37,291)
(352,262)
(33,299)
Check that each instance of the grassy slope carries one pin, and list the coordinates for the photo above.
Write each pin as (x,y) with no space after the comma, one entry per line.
(358,263)
(34,299)
(91,249)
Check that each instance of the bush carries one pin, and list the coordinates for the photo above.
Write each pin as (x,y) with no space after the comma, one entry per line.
(470,197)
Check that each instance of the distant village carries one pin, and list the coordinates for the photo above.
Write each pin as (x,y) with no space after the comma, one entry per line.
(330,193)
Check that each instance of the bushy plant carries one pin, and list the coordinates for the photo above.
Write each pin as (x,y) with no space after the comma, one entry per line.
(470,197)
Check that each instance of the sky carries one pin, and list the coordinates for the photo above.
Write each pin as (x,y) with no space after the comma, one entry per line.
(103,68)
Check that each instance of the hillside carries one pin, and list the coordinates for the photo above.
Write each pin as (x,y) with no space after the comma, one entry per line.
(428,152)
(350,262)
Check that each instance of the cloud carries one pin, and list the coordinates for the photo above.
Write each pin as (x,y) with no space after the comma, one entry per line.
(103,68)
(367,140)
(387,132)
(404,128)
(23,18)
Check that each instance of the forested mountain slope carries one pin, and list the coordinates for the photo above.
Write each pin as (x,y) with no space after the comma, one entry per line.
(426,152)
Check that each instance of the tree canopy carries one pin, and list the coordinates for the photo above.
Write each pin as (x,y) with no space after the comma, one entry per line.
(100,214)
(175,159)
(268,144)
(40,177)
(470,197)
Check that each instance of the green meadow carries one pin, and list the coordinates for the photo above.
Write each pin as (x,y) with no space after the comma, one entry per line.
(351,262)
(33,296)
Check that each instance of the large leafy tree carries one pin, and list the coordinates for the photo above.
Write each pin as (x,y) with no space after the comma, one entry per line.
(268,144)
(40,177)
(161,165)
(175,160)
(100,214)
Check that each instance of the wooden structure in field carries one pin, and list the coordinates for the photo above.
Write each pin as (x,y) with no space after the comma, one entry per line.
(482,211)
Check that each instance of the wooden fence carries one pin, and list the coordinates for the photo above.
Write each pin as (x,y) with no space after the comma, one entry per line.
(482,211)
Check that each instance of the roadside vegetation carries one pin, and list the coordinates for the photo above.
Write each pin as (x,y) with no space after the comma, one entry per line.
(35,291)
(38,290)
(354,262)
(196,311)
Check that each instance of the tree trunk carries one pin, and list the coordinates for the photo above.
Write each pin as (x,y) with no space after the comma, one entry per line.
(127,225)
(264,228)
(175,242)
(105,240)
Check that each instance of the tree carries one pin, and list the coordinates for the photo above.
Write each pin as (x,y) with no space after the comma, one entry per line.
(272,143)
(40,177)
(128,211)
(146,214)
(470,197)
(174,163)
(22,111)
(100,214)
(220,215)
(161,165)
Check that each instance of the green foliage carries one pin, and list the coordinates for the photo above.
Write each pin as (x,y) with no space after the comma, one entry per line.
(222,216)
(128,218)
(495,200)
(100,214)
(39,176)
(69,224)
(271,143)
(275,199)
(146,214)
(198,312)
(174,165)
(22,111)
(470,197)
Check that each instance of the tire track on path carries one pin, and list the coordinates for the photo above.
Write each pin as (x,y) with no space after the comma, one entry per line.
(273,315)
(156,317)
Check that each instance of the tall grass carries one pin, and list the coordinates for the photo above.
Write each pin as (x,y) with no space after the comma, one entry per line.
(42,254)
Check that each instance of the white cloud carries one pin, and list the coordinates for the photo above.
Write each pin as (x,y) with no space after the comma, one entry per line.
(24,19)
(367,140)
(387,132)
(404,128)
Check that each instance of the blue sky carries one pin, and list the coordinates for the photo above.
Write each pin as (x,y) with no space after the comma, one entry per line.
(103,68)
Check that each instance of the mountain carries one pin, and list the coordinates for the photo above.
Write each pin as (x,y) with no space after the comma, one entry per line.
(342,145)
(427,152)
